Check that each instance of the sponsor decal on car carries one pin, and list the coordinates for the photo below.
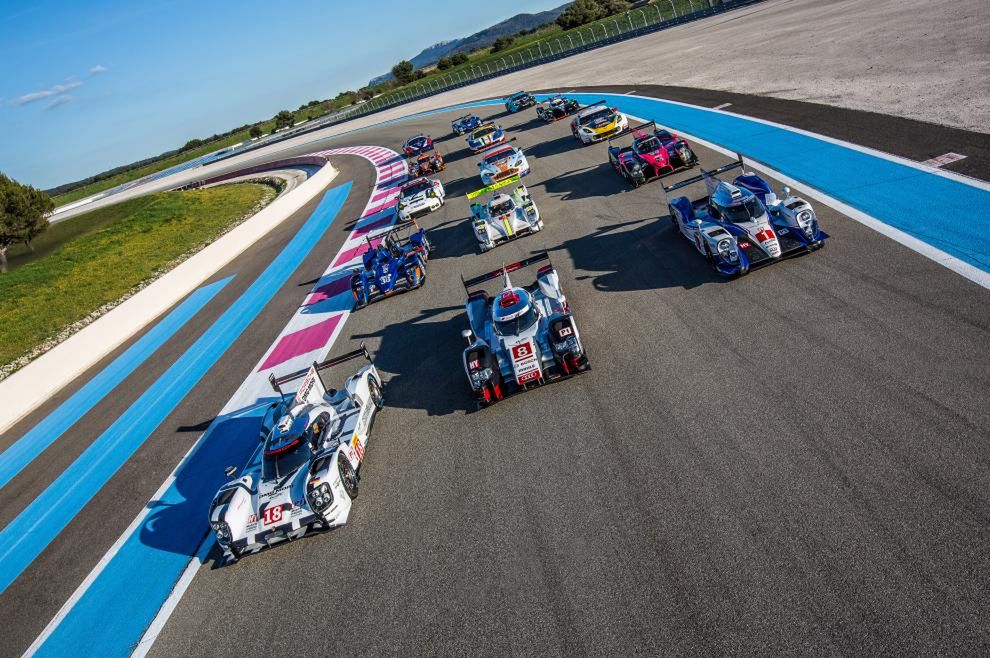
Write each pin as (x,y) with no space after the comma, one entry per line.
(525,362)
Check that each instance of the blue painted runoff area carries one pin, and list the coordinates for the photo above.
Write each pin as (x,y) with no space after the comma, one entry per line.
(48,514)
(140,577)
(944,212)
(15,458)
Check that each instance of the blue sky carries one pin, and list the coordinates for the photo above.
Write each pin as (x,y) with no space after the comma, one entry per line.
(91,85)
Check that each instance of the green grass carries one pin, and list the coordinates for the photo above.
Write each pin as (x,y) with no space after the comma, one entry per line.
(100,256)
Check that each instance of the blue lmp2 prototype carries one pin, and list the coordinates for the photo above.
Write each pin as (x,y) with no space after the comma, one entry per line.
(396,264)
(742,225)
(465,124)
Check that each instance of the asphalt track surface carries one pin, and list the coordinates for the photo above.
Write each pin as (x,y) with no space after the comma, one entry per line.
(790,462)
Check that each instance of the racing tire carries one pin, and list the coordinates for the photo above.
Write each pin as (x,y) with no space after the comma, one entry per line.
(673,220)
(375,393)
(348,478)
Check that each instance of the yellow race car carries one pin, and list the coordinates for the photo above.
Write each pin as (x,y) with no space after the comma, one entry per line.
(598,122)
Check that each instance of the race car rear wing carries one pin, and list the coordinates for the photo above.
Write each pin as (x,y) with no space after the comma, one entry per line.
(601,102)
(277,382)
(391,230)
(738,164)
(494,186)
(511,267)
(630,130)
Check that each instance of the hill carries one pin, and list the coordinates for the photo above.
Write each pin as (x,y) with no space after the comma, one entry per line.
(481,39)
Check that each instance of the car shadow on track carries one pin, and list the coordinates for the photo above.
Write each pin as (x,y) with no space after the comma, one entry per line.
(643,254)
(551,147)
(457,189)
(596,181)
(453,239)
(421,360)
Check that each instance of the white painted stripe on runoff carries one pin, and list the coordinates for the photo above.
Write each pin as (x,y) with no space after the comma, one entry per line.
(949,261)
(943,160)
(114,549)
(951,175)
(23,391)
(247,393)
(722,106)
(150,635)
(630,93)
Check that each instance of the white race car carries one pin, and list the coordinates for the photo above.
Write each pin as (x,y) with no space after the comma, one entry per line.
(420,197)
(505,217)
(502,162)
(307,473)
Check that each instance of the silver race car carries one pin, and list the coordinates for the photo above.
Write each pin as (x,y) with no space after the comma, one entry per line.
(522,337)
(504,217)
(313,444)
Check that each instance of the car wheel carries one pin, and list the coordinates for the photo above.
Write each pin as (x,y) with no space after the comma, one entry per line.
(375,393)
(348,477)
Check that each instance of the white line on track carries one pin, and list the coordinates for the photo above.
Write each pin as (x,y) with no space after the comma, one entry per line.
(722,106)
(109,555)
(943,160)
(949,261)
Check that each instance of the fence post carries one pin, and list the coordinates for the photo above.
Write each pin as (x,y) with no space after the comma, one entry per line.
(629,16)
(659,16)
(616,21)
(672,8)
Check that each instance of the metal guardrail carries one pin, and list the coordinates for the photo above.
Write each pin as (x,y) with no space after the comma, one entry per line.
(629,25)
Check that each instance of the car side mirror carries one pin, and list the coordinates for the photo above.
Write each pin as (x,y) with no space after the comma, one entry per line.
(696,221)
(468,336)
(230,471)
(785,191)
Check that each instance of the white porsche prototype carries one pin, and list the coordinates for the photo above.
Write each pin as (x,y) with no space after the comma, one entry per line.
(305,473)
(420,197)
(504,217)
(502,162)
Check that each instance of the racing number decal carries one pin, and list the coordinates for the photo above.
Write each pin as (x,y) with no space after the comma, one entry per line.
(273,515)
(764,235)
(520,352)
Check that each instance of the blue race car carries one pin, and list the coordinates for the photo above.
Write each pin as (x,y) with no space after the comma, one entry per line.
(396,264)
(465,124)
(742,225)
(417,144)
(519,101)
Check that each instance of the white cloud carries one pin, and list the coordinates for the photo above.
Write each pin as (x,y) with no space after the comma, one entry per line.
(97,69)
(32,97)
(58,89)
(59,101)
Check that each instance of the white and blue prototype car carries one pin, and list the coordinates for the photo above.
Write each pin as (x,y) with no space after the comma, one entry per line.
(313,443)
(522,337)
(742,225)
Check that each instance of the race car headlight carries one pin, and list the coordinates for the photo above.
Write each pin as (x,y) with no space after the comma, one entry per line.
(805,216)
(402,205)
(222,531)
(480,377)
(320,497)
(636,166)
(727,250)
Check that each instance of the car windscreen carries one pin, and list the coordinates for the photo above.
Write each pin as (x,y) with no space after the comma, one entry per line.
(744,211)
(501,208)
(648,145)
(483,132)
(516,326)
(276,464)
(497,156)
(415,189)
(603,114)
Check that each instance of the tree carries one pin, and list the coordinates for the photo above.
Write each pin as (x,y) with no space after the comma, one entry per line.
(255,132)
(191,144)
(24,212)
(458,58)
(403,71)
(582,12)
(444,63)
(501,44)
(284,119)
